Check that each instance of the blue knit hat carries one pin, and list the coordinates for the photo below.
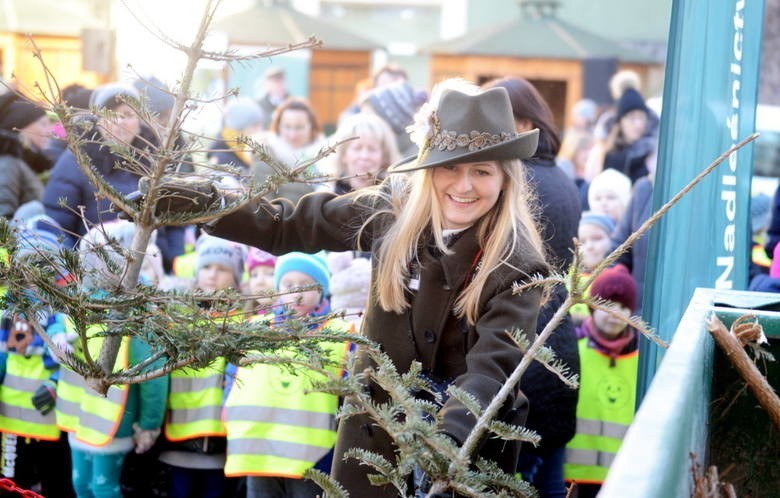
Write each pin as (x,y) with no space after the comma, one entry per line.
(312,265)
(242,113)
(598,219)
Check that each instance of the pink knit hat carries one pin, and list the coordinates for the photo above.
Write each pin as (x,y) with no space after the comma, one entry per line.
(258,257)
(774,268)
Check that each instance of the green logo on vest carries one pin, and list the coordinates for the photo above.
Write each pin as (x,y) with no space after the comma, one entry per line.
(614,391)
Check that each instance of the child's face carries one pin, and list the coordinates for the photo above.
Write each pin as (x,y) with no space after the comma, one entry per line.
(607,201)
(610,326)
(215,277)
(594,245)
(302,303)
(261,279)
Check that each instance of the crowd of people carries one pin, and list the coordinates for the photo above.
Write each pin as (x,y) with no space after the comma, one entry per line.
(421,253)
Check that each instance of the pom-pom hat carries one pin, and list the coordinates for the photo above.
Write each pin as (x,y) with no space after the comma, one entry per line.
(468,128)
(617,285)
(257,257)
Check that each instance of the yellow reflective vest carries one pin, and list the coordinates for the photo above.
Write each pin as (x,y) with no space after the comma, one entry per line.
(276,428)
(91,417)
(605,410)
(23,376)
(195,400)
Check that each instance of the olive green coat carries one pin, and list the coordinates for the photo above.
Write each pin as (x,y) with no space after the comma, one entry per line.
(478,358)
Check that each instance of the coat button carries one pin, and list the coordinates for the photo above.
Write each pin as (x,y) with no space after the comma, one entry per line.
(430,335)
(367,429)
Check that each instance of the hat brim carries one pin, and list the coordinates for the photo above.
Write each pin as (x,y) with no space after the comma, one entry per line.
(522,146)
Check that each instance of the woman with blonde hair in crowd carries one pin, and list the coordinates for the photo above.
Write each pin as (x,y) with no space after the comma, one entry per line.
(450,234)
(363,160)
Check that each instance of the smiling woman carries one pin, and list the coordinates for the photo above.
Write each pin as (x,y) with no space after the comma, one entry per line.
(447,247)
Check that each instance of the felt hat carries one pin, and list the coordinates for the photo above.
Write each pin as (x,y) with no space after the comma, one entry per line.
(310,264)
(467,128)
(617,285)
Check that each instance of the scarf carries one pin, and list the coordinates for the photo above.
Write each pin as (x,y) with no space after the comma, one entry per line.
(611,347)
(241,151)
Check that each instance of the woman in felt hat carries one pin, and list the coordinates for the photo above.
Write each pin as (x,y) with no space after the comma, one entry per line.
(450,232)
(25,131)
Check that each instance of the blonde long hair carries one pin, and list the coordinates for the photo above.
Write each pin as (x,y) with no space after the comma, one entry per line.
(414,208)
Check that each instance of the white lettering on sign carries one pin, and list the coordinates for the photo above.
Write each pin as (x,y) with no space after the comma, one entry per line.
(728,193)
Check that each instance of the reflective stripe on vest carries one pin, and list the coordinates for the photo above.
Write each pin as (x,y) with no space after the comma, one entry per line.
(274,426)
(92,418)
(604,412)
(23,376)
(195,402)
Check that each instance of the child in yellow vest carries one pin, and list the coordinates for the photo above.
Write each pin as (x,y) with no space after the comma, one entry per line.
(195,446)
(103,430)
(608,350)
(277,428)
(594,235)
(33,449)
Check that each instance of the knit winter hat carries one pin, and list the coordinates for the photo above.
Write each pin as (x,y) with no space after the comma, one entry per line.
(212,250)
(16,112)
(616,284)
(112,95)
(600,220)
(610,179)
(155,95)
(774,268)
(396,103)
(760,210)
(37,234)
(242,113)
(257,257)
(94,250)
(630,101)
(312,265)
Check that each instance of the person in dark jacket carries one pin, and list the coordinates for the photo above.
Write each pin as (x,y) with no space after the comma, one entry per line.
(449,240)
(24,135)
(68,181)
(553,405)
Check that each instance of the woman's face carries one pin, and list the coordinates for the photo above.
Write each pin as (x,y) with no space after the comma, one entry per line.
(633,125)
(608,202)
(608,325)
(214,277)
(121,128)
(261,279)
(295,128)
(38,133)
(301,303)
(467,191)
(363,160)
(594,245)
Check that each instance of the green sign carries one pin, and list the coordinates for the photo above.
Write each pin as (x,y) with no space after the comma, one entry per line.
(708,105)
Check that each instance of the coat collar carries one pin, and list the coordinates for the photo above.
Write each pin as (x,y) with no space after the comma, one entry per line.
(458,266)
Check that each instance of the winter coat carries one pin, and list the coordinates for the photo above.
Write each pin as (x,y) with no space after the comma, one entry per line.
(773,232)
(479,358)
(553,405)
(631,159)
(559,209)
(18,181)
(639,209)
(69,182)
